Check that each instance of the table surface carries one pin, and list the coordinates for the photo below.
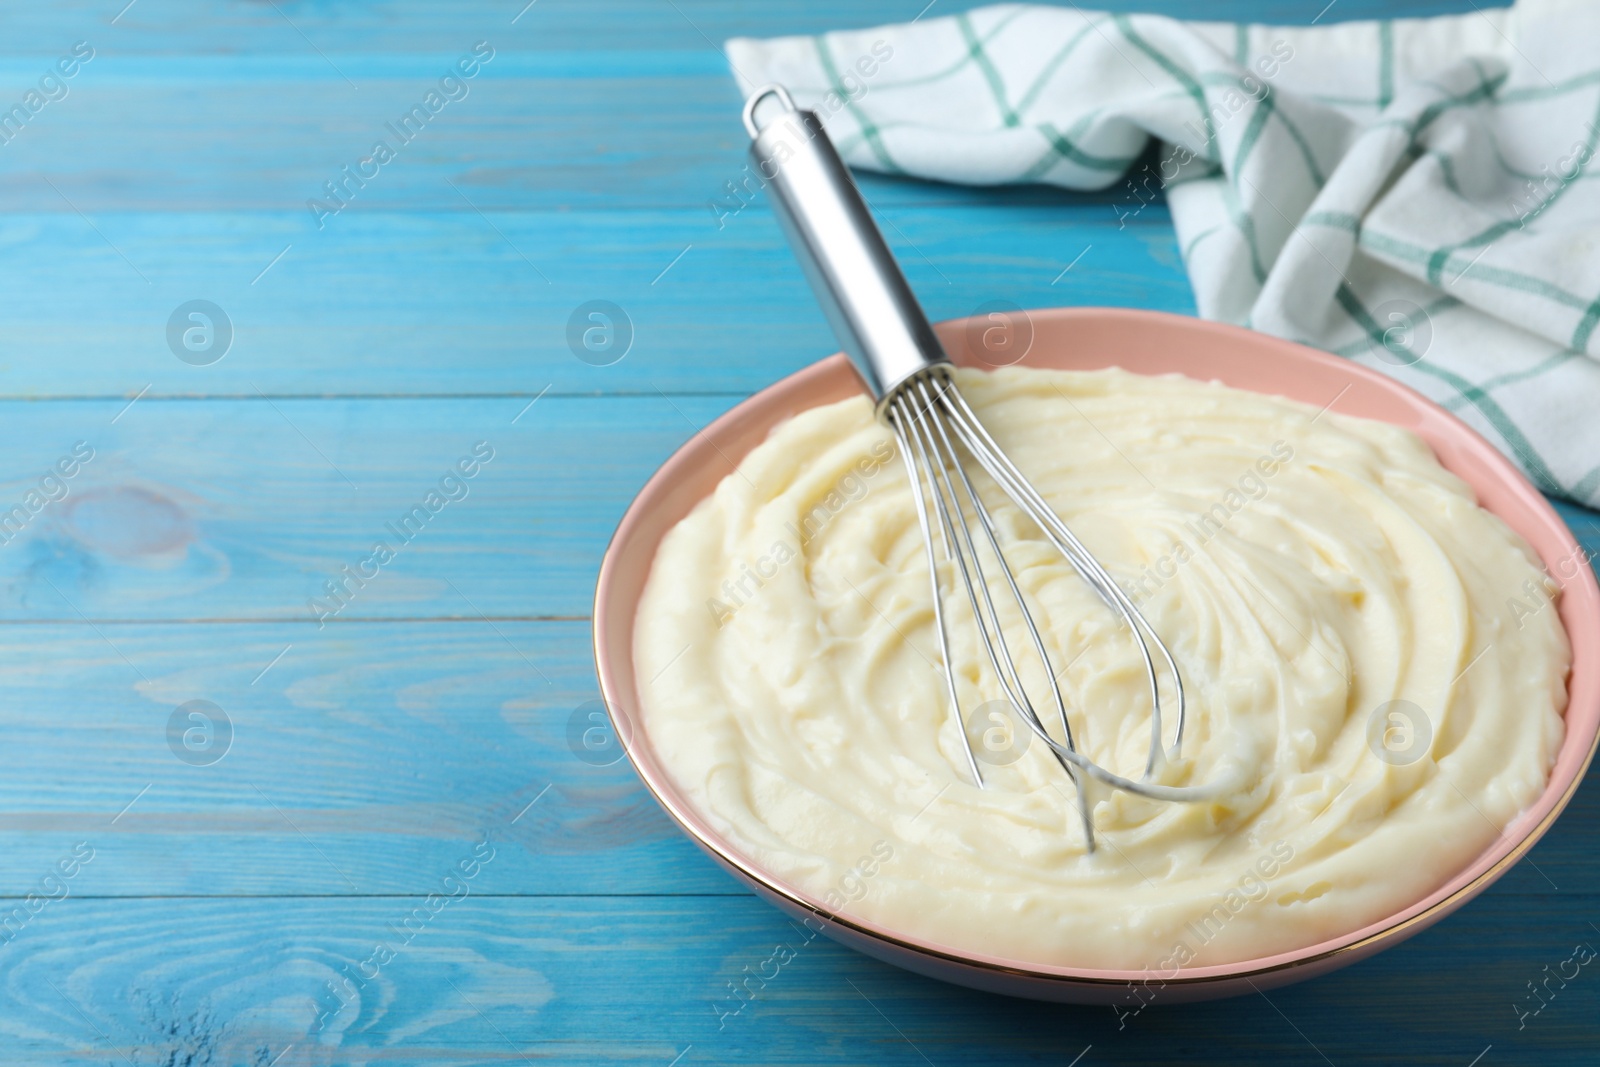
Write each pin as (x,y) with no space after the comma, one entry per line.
(400,771)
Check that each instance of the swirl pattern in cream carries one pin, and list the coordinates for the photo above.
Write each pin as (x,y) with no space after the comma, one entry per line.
(1369,705)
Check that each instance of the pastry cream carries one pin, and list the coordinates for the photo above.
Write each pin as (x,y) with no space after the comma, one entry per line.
(1374,671)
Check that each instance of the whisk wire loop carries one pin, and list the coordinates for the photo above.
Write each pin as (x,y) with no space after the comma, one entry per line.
(938,457)
(994,460)
(899,426)
(935,426)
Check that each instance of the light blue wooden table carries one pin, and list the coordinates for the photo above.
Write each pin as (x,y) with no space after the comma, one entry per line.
(376,843)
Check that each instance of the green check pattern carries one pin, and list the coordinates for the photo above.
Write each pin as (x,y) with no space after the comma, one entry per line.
(1416,195)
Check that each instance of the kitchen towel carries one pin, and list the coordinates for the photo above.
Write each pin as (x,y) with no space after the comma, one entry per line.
(1417,195)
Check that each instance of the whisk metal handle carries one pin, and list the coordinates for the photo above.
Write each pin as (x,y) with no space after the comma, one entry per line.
(868,303)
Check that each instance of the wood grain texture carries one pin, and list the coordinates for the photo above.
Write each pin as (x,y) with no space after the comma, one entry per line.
(359,760)
(561,177)
(299,27)
(369,757)
(247,509)
(594,980)
(448,302)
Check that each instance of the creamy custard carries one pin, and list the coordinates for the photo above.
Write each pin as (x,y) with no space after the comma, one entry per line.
(1375,674)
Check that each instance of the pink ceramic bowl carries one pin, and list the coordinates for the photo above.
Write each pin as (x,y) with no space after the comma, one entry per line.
(1147,343)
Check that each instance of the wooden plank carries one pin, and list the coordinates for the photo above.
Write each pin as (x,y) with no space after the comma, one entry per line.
(529,131)
(451,303)
(361,760)
(203,26)
(581,981)
(247,509)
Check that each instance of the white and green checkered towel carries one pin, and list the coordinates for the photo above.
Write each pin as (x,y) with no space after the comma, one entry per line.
(1412,194)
